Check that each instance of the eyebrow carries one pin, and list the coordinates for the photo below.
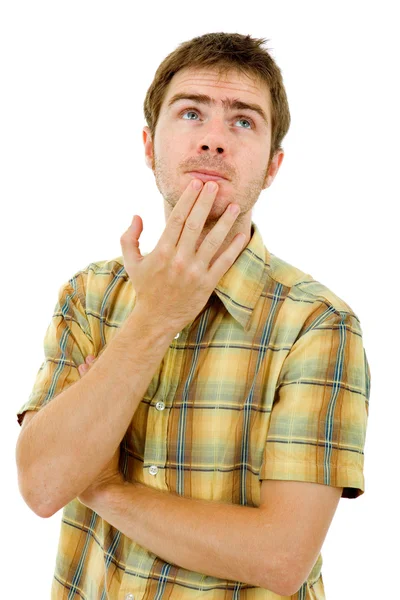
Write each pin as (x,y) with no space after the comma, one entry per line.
(228,103)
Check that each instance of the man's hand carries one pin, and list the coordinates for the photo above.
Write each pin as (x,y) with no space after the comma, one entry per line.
(186,272)
(111,473)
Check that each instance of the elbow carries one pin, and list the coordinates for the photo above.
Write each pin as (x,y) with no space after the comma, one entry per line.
(295,572)
(31,490)
(282,586)
(45,514)
(289,591)
(290,583)
(285,580)
(45,510)
(41,510)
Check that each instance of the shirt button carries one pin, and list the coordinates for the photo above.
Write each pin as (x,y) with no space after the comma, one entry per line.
(129,597)
(177,335)
(153,470)
(160,405)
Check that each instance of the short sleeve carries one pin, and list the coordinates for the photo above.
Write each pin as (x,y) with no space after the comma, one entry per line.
(67,343)
(319,417)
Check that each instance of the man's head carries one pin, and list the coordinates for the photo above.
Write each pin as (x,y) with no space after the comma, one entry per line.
(210,132)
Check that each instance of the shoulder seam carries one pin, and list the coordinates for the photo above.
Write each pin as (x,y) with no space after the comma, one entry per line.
(322,298)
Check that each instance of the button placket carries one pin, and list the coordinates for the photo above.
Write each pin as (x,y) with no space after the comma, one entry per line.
(160,405)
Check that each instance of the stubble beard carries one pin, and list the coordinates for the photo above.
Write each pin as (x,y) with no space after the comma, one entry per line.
(171,192)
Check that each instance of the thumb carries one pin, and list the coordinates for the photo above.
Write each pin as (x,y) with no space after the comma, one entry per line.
(130,239)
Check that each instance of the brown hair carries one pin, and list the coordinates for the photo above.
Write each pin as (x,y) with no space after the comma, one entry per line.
(223,51)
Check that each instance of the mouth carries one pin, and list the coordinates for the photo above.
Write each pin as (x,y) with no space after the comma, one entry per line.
(207,175)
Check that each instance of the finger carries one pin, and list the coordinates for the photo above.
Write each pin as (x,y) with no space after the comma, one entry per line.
(82,369)
(177,219)
(227,258)
(198,215)
(215,238)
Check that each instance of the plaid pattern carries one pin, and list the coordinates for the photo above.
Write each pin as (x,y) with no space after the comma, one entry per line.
(270,381)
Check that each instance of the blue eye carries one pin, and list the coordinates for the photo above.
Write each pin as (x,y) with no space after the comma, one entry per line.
(240,117)
(243,119)
(189,111)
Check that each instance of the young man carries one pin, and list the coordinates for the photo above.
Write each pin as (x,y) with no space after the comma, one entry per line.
(207,447)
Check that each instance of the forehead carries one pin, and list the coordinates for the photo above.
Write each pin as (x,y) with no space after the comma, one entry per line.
(233,84)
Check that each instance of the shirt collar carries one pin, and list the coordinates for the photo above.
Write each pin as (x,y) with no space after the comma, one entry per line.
(241,286)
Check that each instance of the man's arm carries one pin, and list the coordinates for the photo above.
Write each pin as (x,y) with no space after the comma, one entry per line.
(221,540)
(302,512)
(97,408)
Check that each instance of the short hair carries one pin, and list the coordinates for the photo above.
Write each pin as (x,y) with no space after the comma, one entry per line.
(223,52)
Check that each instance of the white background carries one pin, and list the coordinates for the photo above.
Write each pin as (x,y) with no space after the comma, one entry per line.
(73,79)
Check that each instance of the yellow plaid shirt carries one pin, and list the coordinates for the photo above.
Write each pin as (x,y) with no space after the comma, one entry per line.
(270,381)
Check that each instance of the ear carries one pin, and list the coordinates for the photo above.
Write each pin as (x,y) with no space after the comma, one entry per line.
(273,168)
(148,147)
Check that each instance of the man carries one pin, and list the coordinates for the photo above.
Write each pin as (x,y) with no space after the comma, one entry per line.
(205,450)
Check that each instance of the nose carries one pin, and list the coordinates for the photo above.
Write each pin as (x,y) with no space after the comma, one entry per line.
(218,149)
(213,139)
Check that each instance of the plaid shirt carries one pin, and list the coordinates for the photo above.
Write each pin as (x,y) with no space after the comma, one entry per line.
(269,381)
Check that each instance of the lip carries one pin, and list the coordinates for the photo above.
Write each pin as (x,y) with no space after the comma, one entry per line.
(207,175)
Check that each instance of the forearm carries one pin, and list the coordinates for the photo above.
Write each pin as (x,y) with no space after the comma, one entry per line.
(217,539)
(70,440)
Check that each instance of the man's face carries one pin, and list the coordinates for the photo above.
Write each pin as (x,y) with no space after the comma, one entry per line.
(191,135)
